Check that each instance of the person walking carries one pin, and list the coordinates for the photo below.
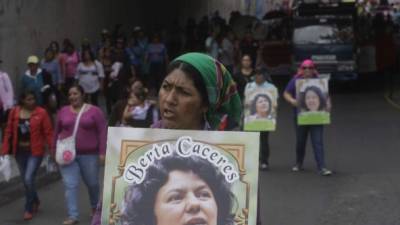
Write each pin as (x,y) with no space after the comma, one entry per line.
(32,80)
(306,71)
(69,64)
(244,75)
(6,97)
(261,81)
(90,149)
(28,130)
(90,75)
(198,93)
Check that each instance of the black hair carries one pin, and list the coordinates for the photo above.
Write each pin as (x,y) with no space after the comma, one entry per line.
(140,199)
(49,49)
(80,89)
(253,107)
(68,44)
(91,55)
(193,74)
(56,44)
(316,90)
(25,94)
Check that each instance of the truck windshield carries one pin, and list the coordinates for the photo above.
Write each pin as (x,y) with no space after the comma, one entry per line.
(323,34)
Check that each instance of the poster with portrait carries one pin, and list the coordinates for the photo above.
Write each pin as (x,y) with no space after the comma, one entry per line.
(169,177)
(313,101)
(260,108)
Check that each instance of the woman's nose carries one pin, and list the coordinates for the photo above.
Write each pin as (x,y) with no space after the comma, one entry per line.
(192,204)
(171,97)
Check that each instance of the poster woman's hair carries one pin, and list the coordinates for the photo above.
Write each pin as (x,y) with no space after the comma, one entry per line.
(139,200)
(322,98)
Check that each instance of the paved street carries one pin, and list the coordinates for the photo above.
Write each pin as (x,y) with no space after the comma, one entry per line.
(362,147)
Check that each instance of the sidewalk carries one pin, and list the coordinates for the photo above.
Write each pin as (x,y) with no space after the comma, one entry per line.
(13,189)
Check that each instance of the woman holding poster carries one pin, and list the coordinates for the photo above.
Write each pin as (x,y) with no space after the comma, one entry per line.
(198,93)
(260,111)
(306,71)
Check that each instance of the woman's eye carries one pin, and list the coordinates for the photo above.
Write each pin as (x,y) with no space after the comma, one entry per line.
(204,194)
(165,86)
(174,198)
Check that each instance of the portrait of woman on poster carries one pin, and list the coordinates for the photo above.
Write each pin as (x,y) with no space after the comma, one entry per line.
(180,191)
(261,107)
(313,100)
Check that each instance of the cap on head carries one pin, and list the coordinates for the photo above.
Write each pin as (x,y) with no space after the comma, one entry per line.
(104,31)
(307,63)
(33,59)
(137,28)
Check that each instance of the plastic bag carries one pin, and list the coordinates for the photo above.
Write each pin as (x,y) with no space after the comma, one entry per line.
(5,167)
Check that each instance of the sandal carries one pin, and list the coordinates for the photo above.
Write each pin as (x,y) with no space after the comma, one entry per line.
(70,221)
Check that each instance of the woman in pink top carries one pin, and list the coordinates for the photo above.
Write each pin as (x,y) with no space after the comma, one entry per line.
(90,149)
(69,63)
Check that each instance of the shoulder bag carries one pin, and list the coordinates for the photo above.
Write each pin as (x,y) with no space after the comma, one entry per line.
(66,148)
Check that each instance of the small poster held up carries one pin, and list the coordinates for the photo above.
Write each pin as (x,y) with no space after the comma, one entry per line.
(260,108)
(313,101)
(153,176)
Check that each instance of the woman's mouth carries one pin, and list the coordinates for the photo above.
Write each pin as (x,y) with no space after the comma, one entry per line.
(167,114)
(196,221)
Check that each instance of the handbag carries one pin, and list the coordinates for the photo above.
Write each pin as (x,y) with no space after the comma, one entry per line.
(66,148)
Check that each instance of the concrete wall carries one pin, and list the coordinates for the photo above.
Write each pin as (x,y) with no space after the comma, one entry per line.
(27,26)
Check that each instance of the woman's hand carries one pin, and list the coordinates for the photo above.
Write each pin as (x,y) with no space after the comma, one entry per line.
(102,160)
(289,98)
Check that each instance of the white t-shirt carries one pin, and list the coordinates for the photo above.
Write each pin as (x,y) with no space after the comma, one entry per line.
(89,76)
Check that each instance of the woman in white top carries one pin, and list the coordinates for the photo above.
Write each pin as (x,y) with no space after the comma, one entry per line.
(90,75)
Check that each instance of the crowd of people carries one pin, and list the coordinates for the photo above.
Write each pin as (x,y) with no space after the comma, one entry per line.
(66,85)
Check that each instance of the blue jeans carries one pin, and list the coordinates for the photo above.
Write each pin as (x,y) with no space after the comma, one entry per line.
(88,167)
(316,133)
(28,166)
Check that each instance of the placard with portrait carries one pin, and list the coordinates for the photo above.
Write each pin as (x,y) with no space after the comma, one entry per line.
(260,108)
(171,177)
(313,103)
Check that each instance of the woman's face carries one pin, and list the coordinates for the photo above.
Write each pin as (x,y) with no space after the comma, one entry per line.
(75,97)
(246,61)
(262,106)
(181,104)
(308,71)
(185,199)
(49,55)
(86,56)
(136,86)
(29,102)
(312,101)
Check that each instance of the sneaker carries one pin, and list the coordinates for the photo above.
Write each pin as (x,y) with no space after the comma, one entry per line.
(70,221)
(28,216)
(297,168)
(264,166)
(325,172)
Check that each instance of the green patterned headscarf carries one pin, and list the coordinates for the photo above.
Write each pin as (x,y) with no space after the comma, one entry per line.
(225,105)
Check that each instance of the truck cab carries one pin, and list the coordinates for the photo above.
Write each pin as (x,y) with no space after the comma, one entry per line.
(325,34)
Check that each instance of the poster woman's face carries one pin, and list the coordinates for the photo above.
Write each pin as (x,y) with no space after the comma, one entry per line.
(312,101)
(262,106)
(185,199)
